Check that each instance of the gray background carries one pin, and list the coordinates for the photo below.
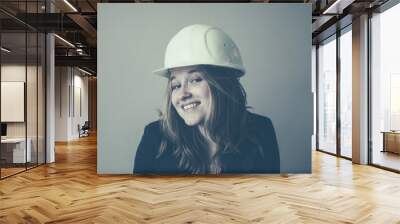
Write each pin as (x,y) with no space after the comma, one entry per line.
(275,44)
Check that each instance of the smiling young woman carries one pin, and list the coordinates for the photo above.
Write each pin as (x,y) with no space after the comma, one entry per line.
(205,127)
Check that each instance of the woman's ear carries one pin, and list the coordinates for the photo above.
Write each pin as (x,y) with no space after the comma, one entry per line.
(159,112)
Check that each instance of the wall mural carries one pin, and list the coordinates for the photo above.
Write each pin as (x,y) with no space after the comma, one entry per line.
(220,90)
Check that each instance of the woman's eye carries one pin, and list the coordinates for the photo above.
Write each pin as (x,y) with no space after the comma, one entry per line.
(174,87)
(196,80)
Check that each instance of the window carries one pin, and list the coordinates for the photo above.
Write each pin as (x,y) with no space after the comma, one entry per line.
(385,88)
(327,95)
(346,92)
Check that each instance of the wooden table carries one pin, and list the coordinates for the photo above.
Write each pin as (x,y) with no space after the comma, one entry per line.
(391,141)
(13,150)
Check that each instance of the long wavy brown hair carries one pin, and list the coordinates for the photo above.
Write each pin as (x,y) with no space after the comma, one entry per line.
(225,124)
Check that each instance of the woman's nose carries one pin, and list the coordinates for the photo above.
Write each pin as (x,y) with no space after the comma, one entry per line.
(185,92)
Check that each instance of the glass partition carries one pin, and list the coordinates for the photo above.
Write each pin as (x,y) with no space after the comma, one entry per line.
(385,89)
(346,92)
(41,107)
(22,77)
(32,95)
(14,154)
(327,95)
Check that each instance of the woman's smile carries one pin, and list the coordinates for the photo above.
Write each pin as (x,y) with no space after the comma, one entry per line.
(187,107)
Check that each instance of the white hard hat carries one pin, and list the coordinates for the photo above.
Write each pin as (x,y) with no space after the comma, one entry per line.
(202,45)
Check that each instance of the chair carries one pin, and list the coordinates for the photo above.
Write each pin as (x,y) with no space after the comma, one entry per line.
(84,130)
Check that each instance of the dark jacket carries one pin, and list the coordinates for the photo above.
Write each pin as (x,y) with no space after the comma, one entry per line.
(248,159)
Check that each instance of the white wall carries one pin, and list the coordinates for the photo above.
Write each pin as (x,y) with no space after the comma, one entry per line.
(70,83)
(62,81)
(16,73)
(80,110)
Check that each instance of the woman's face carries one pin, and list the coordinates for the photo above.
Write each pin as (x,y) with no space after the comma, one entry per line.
(190,95)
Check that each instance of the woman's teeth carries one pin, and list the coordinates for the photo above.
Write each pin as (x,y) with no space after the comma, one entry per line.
(190,106)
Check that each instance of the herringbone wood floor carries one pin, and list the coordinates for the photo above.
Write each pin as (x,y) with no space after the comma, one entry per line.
(70,191)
